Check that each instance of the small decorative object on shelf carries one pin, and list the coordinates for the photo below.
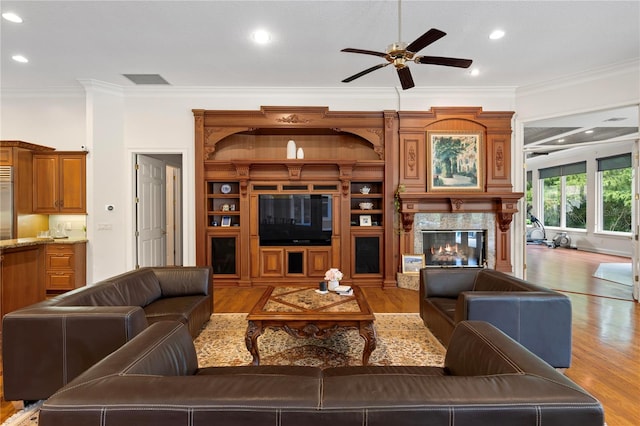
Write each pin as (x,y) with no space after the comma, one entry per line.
(333,277)
(291,149)
(365,189)
(366,205)
(300,154)
(225,189)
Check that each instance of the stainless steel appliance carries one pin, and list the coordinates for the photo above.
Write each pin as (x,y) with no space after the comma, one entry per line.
(6,202)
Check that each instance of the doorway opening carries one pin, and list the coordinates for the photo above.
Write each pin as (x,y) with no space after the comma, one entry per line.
(158,209)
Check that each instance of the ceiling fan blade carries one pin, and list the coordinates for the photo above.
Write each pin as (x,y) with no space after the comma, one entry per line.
(361,73)
(448,62)
(405,78)
(365,52)
(425,39)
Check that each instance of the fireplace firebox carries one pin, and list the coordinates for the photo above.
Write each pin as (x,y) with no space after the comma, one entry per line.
(454,248)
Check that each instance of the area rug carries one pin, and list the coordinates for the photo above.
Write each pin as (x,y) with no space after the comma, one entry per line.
(616,272)
(402,340)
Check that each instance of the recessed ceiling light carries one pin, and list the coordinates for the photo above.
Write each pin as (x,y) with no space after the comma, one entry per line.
(560,140)
(20,58)
(474,72)
(589,132)
(496,34)
(261,37)
(12,17)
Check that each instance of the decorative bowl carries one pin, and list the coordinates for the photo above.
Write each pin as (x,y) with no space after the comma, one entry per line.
(366,205)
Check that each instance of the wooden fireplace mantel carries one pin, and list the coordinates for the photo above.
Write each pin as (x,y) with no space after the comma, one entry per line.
(504,205)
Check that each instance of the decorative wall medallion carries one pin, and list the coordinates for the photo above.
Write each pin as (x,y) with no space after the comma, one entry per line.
(457,203)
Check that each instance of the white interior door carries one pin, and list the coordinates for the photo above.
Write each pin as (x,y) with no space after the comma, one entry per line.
(150,211)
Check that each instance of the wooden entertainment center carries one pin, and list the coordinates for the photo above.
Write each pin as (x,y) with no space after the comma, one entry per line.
(241,164)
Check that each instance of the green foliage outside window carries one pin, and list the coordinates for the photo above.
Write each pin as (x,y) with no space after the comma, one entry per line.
(616,200)
(551,199)
(576,201)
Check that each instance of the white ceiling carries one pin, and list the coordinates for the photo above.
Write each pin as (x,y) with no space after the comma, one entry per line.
(208,43)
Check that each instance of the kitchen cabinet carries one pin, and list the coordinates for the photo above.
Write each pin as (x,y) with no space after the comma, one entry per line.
(65,266)
(59,183)
(21,277)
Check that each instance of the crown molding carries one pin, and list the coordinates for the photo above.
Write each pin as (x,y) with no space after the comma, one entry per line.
(625,67)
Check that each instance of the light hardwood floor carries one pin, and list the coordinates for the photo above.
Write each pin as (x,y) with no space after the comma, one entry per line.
(606,334)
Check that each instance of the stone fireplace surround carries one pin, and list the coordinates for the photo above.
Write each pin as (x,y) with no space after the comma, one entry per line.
(457,222)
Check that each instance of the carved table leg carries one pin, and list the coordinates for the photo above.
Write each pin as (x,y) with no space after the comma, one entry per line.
(368,333)
(254,330)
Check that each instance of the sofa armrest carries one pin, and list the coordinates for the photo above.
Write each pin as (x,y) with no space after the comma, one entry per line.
(445,282)
(44,348)
(540,321)
(184,280)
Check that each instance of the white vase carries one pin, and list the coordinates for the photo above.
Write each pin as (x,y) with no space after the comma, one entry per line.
(291,149)
(300,153)
(333,285)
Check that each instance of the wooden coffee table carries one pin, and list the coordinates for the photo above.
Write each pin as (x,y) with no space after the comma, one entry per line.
(302,312)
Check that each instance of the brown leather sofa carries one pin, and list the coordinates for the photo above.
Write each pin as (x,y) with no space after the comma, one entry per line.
(536,317)
(488,379)
(46,345)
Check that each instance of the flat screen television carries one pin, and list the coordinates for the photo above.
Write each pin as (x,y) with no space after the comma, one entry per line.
(295,219)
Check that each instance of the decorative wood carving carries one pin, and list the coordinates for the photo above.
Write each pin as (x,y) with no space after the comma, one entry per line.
(504,220)
(411,158)
(407,221)
(292,119)
(456,203)
(503,205)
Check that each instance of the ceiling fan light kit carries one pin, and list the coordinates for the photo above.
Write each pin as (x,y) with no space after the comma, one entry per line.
(400,53)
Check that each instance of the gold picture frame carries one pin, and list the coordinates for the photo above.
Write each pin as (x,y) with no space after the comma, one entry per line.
(455,161)
(412,263)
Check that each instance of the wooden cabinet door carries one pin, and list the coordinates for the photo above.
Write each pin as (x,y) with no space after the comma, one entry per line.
(59,183)
(72,187)
(45,183)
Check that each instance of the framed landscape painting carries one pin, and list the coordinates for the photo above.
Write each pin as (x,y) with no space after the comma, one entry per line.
(412,263)
(454,161)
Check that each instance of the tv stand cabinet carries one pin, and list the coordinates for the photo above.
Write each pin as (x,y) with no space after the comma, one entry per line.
(242,154)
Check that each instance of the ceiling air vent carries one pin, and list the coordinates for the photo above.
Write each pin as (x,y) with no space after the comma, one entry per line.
(615,119)
(146,79)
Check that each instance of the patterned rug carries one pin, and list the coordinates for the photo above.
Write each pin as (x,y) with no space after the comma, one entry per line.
(402,340)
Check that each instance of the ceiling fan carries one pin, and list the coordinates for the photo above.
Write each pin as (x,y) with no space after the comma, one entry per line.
(400,53)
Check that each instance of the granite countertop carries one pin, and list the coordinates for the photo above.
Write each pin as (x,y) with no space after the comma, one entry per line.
(24,242)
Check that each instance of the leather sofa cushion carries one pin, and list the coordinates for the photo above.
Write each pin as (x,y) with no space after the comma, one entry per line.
(138,288)
(183,282)
(444,305)
(446,282)
(492,280)
(101,294)
(173,308)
